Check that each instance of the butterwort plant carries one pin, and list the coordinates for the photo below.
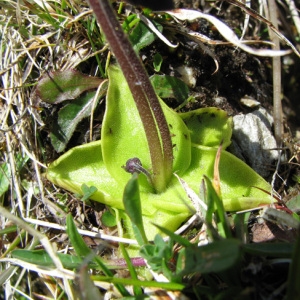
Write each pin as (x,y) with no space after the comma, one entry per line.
(140,134)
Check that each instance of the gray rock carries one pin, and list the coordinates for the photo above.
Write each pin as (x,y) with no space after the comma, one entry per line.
(254,142)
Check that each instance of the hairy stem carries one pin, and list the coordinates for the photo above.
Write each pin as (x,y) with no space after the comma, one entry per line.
(153,119)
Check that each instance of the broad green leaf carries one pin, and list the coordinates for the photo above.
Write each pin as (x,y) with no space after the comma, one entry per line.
(164,214)
(170,87)
(123,136)
(108,219)
(84,165)
(209,126)
(59,86)
(68,118)
(215,257)
(99,164)
(141,36)
(239,183)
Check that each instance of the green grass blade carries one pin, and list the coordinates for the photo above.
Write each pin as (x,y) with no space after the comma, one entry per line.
(175,237)
(77,241)
(216,204)
(42,258)
(137,290)
(132,204)
(83,250)
(171,286)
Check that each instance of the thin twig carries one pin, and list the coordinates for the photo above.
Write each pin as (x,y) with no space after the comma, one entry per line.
(277,110)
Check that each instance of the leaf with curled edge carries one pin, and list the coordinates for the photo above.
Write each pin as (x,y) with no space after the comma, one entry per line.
(123,135)
(70,116)
(56,87)
(123,138)
(209,126)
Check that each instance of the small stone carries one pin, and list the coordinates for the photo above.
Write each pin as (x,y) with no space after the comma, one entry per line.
(249,102)
(254,142)
(188,75)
